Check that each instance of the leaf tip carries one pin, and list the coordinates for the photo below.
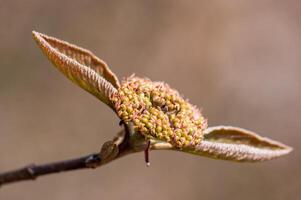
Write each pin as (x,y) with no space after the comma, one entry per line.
(36,35)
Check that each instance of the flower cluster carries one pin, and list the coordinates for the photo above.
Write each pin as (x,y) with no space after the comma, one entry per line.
(157,111)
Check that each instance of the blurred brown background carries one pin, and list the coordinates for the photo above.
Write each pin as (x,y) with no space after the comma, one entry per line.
(237,60)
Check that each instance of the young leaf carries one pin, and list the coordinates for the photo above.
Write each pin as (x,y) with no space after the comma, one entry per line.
(80,66)
(237,144)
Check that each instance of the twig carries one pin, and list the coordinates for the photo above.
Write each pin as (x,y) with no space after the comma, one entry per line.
(31,172)
(110,151)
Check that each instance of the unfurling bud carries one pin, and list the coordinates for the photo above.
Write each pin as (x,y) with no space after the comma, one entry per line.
(155,111)
(159,112)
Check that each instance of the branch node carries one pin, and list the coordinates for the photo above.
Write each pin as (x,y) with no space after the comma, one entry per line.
(30,171)
(93,161)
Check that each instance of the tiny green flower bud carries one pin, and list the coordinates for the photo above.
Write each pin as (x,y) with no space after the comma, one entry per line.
(158,129)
